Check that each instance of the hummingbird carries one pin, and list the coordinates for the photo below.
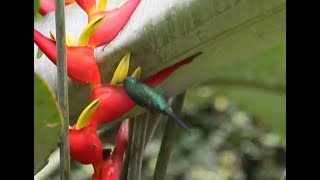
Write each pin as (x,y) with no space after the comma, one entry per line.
(147,97)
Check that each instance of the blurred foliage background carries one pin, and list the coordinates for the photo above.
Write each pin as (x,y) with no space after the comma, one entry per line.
(226,143)
(239,126)
(238,119)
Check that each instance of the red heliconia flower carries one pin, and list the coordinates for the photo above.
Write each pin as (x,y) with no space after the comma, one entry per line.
(47,6)
(81,63)
(114,100)
(89,6)
(113,22)
(119,150)
(111,166)
(85,145)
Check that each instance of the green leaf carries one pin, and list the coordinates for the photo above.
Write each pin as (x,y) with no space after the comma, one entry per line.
(265,71)
(258,86)
(39,53)
(36,5)
(227,32)
(37,17)
(47,123)
(163,32)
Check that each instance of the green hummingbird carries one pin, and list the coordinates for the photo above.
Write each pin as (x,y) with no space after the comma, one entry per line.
(149,98)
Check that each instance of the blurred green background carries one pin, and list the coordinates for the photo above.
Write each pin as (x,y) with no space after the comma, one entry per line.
(239,126)
(238,119)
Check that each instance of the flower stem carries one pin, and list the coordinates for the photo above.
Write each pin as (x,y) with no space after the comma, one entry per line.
(284,175)
(153,122)
(137,144)
(62,90)
(124,171)
(170,136)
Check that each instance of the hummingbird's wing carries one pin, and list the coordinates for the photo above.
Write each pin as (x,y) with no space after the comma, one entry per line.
(161,91)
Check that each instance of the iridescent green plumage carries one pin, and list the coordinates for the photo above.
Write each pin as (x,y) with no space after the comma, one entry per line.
(148,97)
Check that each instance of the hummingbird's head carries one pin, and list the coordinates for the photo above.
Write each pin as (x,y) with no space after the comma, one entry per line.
(129,80)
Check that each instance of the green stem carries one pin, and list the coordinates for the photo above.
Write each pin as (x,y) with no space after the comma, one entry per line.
(284,175)
(170,135)
(137,145)
(62,89)
(124,171)
(153,122)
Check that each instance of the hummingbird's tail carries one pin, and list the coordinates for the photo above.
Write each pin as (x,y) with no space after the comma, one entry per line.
(179,120)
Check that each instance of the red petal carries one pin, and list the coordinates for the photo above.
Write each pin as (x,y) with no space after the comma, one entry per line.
(114,102)
(120,148)
(107,171)
(122,137)
(89,6)
(81,64)
(110,168)
(85,145)
(112,24)
(47,6)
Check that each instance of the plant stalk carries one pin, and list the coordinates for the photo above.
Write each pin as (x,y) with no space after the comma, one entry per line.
(137,144)
(169,138)
(62,89)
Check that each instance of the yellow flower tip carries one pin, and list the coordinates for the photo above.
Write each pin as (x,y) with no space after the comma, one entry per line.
(39,53)
(136,73)
(70,1)
(122,3)
(69,41)
(122,70)
(89,30)
(52,36)
(84,117)
(102,6)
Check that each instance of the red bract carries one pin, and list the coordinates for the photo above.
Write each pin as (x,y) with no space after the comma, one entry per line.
(114,100)
(110,168)
(113,22)
(47,6)
(118,152)
(89,6)
(106,171)
(81,64)
(85,145)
